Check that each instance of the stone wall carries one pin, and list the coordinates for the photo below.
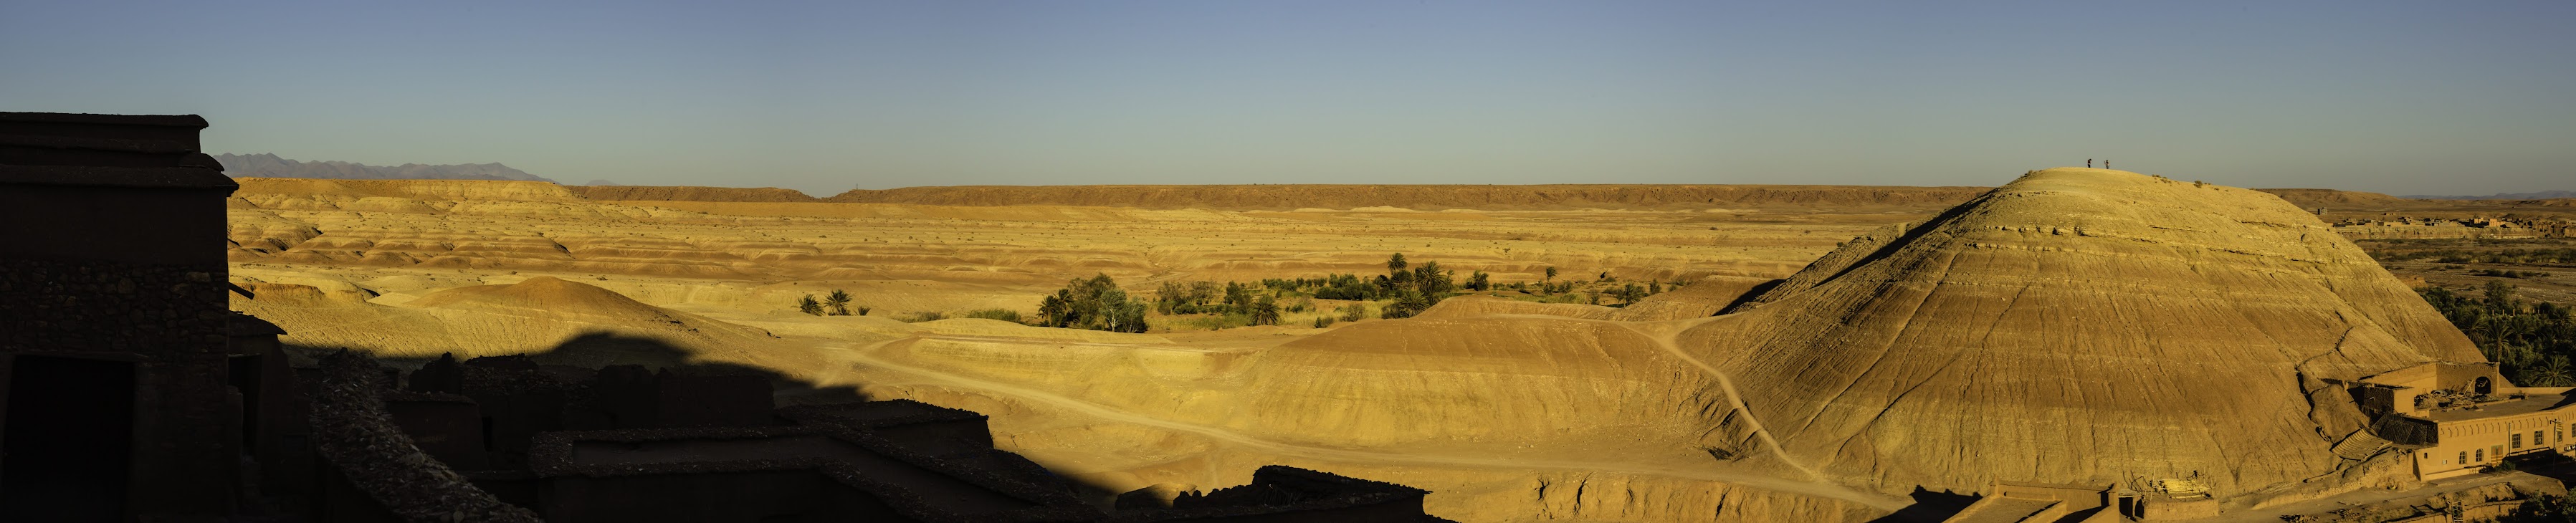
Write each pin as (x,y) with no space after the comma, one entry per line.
(96,306)
(360,444)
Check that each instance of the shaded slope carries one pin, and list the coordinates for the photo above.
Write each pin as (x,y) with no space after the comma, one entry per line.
(484,320)
(2077,326)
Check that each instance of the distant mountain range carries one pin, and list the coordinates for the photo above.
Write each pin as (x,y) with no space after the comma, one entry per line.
(270,166)
(2542,195)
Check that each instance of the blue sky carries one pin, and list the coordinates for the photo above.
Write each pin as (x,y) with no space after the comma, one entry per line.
(2399,97)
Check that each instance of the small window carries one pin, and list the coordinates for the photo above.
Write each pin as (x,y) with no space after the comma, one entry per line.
(2482,455)
(2514,439)
(2464,457)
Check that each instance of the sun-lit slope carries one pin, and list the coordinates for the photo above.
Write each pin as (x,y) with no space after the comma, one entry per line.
(2078,326)
(1453,383)
(1472,382)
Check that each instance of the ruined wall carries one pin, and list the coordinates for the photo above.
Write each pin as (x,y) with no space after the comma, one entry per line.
(361,445)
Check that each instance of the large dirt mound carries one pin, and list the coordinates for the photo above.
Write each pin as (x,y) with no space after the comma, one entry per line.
(543,295)
(1421,197)
(2077,326)
(689,194)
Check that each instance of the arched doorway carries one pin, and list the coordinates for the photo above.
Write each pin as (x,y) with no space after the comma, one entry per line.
(2482,386)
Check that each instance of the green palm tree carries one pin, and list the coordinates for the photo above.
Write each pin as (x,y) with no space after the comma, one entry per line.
(2554,373)
(809,306)
(839,300)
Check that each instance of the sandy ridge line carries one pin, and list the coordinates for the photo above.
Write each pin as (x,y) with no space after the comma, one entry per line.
(1811,488)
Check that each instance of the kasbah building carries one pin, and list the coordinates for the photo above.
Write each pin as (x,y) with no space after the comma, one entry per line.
(2459,418)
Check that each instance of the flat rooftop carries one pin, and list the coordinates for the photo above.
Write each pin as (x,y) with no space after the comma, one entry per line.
(2526,405)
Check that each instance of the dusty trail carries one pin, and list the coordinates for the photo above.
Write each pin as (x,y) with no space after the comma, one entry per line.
(1882,502)
(1734,399)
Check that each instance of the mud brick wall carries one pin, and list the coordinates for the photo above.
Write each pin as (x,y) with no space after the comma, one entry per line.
(102,306)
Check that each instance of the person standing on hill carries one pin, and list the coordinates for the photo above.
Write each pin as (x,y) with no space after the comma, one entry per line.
(2088,163)
(2106,163)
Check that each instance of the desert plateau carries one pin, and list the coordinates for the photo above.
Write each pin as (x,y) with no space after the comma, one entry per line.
(1329,261)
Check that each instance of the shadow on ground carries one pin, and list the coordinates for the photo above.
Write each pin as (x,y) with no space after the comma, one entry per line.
(1929,507)
(601,349)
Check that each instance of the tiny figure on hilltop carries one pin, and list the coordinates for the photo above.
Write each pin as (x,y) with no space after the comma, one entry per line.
(2106,163)
(2088,163)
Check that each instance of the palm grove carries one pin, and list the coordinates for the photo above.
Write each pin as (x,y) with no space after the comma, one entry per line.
(1099,303)
(2532,341)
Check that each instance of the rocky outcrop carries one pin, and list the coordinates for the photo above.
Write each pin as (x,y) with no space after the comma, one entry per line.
(362,445)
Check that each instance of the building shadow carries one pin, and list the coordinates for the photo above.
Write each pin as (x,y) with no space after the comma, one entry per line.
(1929,507)
(596,350)
(448,404)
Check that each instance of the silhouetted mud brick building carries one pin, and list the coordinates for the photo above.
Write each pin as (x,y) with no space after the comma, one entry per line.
(115,351)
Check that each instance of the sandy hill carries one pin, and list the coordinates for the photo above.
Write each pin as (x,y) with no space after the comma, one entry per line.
(689,194)
(1419,197)
(2078,326)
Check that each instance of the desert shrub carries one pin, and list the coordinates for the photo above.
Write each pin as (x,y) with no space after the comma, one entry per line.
(2544,508)
(1354,312)
(809,305)
(994,314)
(1302,304)
(919,317)
(1408,302)
(2501,273)
(1193,298)
(1323,321)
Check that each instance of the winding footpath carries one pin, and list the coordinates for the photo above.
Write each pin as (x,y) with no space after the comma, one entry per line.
(862,356)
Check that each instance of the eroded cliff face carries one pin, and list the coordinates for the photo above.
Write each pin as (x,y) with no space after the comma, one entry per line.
(2078,326)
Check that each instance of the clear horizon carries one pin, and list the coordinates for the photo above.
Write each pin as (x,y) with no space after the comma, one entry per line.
(2390,97)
